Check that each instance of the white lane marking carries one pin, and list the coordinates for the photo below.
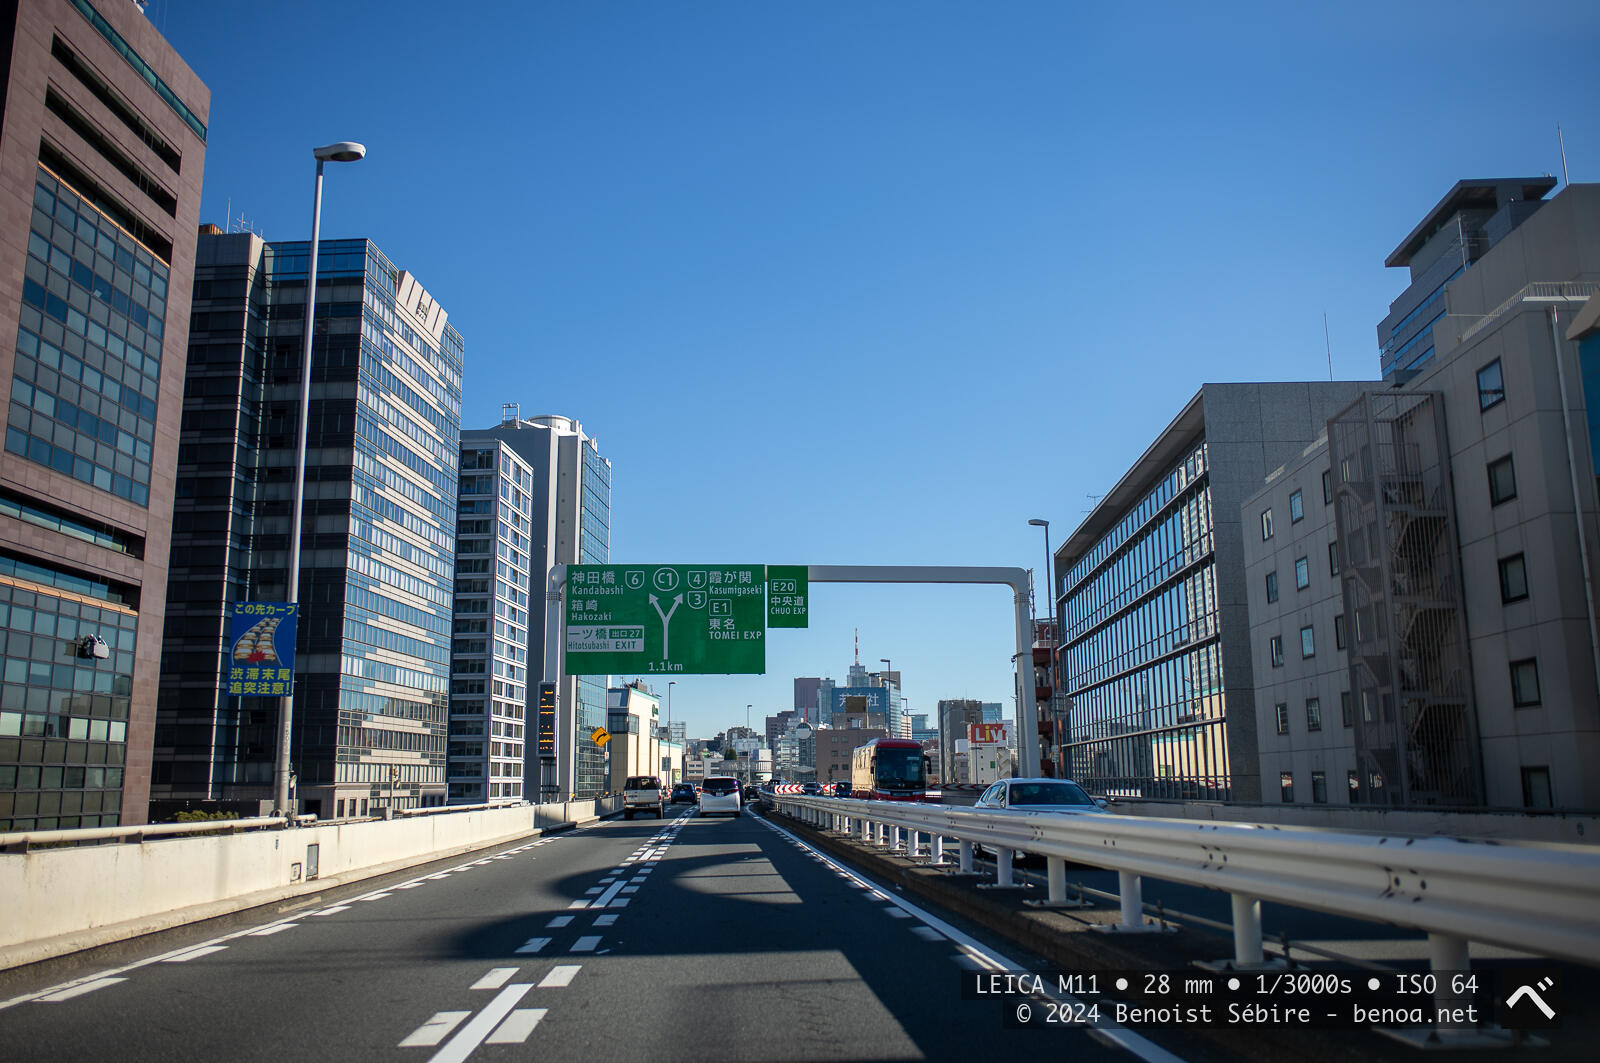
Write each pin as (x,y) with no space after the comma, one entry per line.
(434,1030)
(459,1047)
(410,885)
(592,890)
(605,920)
(80,989)
(194,954)
(497,977)
(374,897)
(616,871)
(561,976)
(611,891)
(620,902)
(586,943)
(268,931)
(630,889)
(896,913)
(927,933)
(985,958)
(608,880)
(518,1025)
(335,910)
(558,921)
(533,945)
(578,904)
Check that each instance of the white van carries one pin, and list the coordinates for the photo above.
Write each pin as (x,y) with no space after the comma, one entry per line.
(719,793)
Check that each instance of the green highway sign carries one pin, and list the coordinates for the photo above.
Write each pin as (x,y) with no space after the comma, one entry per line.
(683,619)
(787,596)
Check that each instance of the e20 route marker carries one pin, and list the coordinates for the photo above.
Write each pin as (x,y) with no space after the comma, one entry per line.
(638,619)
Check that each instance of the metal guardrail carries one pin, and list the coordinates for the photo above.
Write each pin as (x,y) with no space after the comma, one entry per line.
(1534,897)
(22,841)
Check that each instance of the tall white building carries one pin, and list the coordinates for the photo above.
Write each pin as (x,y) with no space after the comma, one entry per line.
(571,525)
(489,649)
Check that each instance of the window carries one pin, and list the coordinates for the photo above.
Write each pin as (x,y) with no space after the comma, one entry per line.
(1266,524)
(1525,682)
(1275,651)
(1272,586)
(1338,632)
(1313,714)
(1297,508)
(1346,716)
(1353,780)
(1536,787)
(1327,488)
(1308,642)
(1319,787)
(1502,481)
(1513,579)
(1302,573)
(1283,717)
(1333,558)
(1491,386)
(1286,786)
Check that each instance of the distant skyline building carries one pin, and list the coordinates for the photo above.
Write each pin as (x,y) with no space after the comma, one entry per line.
(571,525)
(805,697)
(104,144)
(489,648)
(1155,653)
(954,715)
(377,559)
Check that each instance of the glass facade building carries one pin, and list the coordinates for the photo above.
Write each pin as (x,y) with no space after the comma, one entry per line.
(377,552)
(571,512)
(100,185)
(489,652)
(1140,658)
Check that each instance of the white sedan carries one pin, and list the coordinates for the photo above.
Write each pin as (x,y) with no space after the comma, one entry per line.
(1039,795)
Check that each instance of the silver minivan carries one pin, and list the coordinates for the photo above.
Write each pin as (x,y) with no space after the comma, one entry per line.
(719,793)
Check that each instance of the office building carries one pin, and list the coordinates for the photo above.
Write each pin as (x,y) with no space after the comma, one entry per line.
(102,147)
(377,557)
(835,746)
(1155,654)
(954,716)
(1450,537)
(571,525)
(805,698)
(633,715)
(489,647)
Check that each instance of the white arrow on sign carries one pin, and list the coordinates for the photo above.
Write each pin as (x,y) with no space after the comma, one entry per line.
(666,618)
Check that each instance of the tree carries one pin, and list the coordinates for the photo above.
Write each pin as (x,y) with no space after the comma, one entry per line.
(728,754)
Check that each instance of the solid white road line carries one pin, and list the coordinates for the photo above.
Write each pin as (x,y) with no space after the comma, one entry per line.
(268,931)
(982,957)
(611,891)
(434,1030)
(518,1025)
(335,910)
(497,977)
(560,976)
(194,954)
(80,989)
(459,1047)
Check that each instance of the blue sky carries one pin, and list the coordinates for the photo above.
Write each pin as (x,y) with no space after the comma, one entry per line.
(875,283)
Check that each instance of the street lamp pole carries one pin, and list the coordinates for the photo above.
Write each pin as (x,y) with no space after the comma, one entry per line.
(344,151)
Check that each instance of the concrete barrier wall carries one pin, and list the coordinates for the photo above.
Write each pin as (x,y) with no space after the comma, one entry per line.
(61,900)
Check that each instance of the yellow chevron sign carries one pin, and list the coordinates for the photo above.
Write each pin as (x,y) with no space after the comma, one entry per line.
(600,736)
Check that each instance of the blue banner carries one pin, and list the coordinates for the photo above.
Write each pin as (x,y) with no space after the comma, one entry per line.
(261,649)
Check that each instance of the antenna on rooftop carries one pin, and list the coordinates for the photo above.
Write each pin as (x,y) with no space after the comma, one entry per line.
(1328,339)
(1563,142)
(510,412)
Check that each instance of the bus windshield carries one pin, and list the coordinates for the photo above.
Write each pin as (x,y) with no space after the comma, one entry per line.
(900,767)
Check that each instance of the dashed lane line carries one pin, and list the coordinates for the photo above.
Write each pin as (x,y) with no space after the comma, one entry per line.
(459,1047)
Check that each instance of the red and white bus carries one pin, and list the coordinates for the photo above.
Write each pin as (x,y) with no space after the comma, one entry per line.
(889,769)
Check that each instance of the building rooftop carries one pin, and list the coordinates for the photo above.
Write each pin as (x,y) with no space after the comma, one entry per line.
(1487,193)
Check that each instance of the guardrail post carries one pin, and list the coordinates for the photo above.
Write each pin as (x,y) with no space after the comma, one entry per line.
(1246,930)
(866,831)
(1002,869)
(1448,959)
(966,856)
(897,839)
(1056,874)
(1131,891)
(938,849)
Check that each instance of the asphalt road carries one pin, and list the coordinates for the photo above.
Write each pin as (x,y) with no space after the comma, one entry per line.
(691,939)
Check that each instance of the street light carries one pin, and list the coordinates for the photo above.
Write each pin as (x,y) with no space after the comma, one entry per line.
(670,685)
(343,151)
